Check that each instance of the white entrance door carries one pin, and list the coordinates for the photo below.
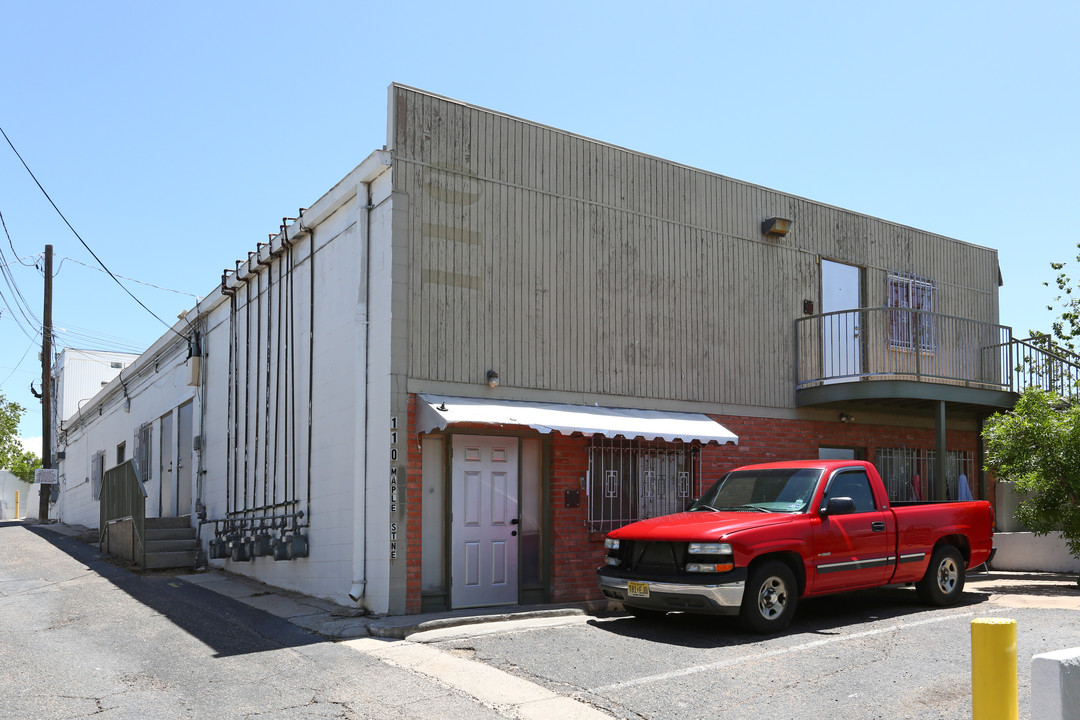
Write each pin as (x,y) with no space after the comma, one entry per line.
(840,332)
(484,525)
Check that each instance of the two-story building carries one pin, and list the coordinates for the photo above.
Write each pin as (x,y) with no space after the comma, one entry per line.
(438,385)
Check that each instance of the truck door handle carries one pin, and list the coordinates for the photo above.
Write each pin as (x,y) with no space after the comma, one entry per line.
(877,526)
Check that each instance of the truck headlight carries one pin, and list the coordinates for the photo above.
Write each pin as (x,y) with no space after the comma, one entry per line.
(709,567)
(611,543)
(709,549)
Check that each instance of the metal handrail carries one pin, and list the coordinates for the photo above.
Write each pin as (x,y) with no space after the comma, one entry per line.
(1048,369)
(123,497)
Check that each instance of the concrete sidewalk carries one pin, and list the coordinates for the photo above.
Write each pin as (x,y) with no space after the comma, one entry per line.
(334,621)
(1010,589)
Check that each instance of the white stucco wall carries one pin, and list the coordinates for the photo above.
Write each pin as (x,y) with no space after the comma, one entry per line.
(150,389)
(1024,551)
(9,486)
(343,509)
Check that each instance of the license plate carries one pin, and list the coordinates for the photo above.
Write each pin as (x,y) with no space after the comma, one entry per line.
(637,589)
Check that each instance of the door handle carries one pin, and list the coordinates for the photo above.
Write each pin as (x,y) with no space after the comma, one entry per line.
(514,521)
(877,526)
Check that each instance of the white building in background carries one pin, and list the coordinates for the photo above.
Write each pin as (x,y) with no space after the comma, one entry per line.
(79,375)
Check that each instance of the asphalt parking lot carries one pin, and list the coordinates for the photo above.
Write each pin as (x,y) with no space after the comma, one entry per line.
(871,654)
(874,654)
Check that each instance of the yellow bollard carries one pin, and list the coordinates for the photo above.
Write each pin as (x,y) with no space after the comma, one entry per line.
(993,670)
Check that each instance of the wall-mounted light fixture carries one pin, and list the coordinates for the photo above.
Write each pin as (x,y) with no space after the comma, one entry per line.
(776,226)
(845,418)
(492,378)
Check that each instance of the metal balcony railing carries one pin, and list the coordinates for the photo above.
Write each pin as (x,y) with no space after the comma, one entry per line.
(905,344)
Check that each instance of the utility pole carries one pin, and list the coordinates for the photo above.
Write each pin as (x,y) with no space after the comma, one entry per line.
(46,387)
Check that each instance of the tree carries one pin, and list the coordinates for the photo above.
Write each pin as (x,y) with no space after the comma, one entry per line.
(1066,329)
(1037,446)
(12,455)
(24,465)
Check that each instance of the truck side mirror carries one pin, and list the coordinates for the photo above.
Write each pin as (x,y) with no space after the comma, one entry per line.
(838,506)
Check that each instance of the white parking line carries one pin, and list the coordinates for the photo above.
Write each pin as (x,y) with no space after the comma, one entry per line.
(495,628)
(757,657)
(497,689)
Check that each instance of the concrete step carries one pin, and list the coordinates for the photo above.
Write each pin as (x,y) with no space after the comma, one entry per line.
(170,560)
(166,546)
(170,533)
(169,522)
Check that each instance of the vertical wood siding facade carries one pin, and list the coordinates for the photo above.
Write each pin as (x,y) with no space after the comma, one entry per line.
(574,266)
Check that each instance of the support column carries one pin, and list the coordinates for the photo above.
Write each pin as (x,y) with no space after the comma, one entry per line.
(939,455)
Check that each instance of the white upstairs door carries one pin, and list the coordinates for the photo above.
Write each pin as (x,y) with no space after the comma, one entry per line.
(484,524)
(840,293)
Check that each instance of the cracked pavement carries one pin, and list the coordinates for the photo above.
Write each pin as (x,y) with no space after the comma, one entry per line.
(83,638)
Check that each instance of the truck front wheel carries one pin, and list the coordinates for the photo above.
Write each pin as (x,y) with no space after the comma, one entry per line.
(944,579)
(769,598)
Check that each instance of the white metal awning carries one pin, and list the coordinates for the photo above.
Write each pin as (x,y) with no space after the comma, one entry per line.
(436,412)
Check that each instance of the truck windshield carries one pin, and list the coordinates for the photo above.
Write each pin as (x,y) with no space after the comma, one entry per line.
(787,490)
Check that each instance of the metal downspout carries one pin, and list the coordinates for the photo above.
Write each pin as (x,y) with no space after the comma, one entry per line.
(358,592)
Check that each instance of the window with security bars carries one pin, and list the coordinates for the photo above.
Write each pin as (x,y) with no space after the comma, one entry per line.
(632,480)
(97,472)
(909,329)
(143,436)
(909,474)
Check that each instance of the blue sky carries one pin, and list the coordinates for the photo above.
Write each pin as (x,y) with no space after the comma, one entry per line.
(174,137)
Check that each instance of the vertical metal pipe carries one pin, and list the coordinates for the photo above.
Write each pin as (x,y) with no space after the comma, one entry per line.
(247,386)
(277,367)
(266,384)
(311,366)
(258,397)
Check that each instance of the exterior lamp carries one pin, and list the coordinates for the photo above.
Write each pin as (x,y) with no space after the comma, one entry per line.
(492,379)
(776,226)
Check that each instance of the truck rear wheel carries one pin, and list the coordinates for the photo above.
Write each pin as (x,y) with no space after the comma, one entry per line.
(944,579)
(770,598)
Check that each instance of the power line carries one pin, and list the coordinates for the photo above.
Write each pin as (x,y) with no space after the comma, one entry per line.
(141,282)
(28,348)
(20,303)
(79,237)
(13,244)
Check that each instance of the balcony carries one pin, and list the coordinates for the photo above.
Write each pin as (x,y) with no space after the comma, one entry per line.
(913,358)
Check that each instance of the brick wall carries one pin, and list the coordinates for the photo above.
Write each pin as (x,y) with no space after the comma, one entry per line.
(576,553)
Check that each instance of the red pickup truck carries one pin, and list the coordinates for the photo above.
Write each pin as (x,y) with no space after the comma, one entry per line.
(766,535)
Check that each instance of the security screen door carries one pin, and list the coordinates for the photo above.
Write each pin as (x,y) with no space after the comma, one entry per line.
(484,525)
(840,333)
(166,481)
(184,459)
